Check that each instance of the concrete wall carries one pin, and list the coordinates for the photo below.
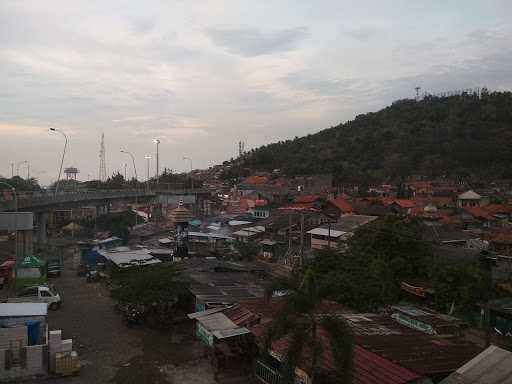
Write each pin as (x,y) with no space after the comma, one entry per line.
(21,321)
(55,345)
(25,360)
(22,221)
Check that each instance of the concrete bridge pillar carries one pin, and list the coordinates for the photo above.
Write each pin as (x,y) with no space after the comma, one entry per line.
(42,224)
(24,246)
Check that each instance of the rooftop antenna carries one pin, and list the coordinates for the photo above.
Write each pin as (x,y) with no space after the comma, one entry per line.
(241,148)
(417,93)
(103,167)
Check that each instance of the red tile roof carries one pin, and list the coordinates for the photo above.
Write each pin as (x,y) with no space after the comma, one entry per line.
(343,205)
(478,213)
(255,180)
(300,206)
(403,203)
(306,199)
(438,201)
(494,209)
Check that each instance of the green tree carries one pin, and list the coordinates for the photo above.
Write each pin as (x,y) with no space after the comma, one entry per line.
(158,289)
(380,255)
(298,319)
(460,286)
(247,250)
(21,185)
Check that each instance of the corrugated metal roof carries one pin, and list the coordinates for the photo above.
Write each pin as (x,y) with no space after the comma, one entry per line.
(492,366)
(325,232)
(224,334)
(368,367)
(23,309)
(217,322)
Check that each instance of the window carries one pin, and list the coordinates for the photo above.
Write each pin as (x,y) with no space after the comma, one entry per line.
(29,292)
(45,294)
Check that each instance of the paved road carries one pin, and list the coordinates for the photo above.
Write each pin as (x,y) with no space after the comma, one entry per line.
(112,353)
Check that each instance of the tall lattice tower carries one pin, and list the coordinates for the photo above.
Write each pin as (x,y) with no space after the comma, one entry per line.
(103,166)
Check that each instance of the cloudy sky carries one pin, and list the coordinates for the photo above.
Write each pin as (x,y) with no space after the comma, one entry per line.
(202,75)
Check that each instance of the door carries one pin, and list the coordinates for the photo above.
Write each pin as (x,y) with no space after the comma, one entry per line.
(45,297)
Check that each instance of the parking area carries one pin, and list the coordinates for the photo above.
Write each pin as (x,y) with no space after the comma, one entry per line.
(110,352)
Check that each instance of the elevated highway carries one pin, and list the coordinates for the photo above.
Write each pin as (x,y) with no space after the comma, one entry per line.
(41,201)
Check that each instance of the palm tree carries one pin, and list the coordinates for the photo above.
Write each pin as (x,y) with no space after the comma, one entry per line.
(299,318)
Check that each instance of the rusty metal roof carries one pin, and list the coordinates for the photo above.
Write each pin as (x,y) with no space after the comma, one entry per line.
(424,354)
(368,367)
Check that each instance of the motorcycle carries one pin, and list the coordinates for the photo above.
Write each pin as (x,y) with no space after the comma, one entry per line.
(134,316)
(92,276)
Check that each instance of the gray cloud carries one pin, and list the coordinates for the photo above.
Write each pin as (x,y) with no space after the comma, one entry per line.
(254,42)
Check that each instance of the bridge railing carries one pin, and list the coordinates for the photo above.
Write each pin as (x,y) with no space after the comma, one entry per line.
(49,198)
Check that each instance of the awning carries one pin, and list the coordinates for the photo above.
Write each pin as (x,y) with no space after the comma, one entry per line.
(7,264)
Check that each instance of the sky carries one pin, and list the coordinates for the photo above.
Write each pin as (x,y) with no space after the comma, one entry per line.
(203,75)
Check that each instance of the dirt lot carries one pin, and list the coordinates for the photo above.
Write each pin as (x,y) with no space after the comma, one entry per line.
(110,352)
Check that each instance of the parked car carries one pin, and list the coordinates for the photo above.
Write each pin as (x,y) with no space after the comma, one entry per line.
(38,294)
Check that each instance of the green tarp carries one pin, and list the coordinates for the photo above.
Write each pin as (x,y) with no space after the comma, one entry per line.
(31,262)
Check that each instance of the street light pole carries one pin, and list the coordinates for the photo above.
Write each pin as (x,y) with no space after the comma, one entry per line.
(62,159)
(125,165)
(12,170)
(191,178)
(20,164)
(133,161)
(157,142)
(148,158)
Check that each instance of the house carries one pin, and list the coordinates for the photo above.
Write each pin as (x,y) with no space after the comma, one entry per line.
(383,348)
(304,203)
(336,234)
(469,199)
(497,315)
(492,366)
(272,250)
(322,237)
(217,283)
(249,233)
(260,211)
(341,206)
(402,206)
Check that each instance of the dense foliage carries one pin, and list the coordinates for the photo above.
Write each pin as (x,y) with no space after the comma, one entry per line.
(388,251)
(117,224)
(380,255)
(459,136)
(157,289)
(246,250)
(459,286)
(21,185)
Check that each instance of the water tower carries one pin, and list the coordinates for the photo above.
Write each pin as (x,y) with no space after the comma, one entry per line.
(71,173)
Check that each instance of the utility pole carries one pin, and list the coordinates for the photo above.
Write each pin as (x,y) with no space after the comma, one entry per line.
(157,142)
(148,158)
(62,160)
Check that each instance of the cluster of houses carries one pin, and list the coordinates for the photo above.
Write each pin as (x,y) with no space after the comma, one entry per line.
(403,344)
(290,217)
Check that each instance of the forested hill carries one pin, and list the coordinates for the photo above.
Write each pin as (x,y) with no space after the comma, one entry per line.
(460,136)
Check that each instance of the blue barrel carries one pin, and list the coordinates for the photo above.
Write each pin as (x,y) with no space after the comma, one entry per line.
(33,329)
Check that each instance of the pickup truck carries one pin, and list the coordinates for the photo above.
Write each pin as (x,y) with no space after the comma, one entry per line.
(38,294)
